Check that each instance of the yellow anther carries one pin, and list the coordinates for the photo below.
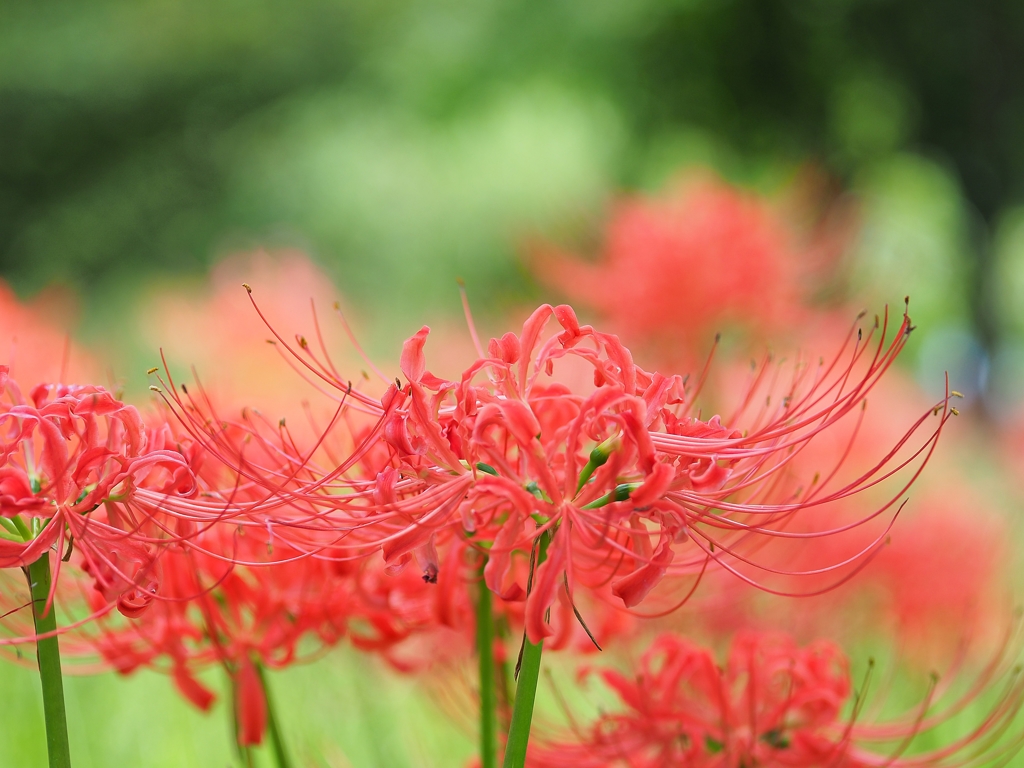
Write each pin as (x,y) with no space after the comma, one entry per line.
(152,370)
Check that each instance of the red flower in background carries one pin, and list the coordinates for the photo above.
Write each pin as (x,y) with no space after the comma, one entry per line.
(703,256)
(773,703)
(211,611)
(677,268)
(34,339)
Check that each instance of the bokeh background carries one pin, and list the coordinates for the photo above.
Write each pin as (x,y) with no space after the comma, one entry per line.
(405,145)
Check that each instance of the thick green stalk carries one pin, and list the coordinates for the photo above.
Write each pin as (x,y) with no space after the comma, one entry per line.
(526,690)
(522,710)
(485,651)
(273,726)
(48,653)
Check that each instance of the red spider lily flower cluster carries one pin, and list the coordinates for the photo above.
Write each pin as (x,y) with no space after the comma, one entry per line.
(555,473)
(557,437)
(77,464)
(204,605)
(696,236)
(772,703)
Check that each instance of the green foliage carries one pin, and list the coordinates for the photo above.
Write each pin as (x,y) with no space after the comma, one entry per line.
(342,710)
(406,144)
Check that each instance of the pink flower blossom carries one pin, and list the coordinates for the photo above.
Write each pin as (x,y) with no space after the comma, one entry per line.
(677,268)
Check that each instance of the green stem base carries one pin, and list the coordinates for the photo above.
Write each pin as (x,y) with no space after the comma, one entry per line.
(526,687)
(522,710)
(485,652)
(48,652)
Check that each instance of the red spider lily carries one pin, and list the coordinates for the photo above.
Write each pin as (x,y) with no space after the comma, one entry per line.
(75,460)
(560,436)
(702,256)
(936,580)
(415,624)
(772,704)
(677,268)
(212,612)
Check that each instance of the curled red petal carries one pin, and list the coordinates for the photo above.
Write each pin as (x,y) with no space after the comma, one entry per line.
(14,554)
(633,587)
(546,583)
(413,363)
(250,704)
(194,691)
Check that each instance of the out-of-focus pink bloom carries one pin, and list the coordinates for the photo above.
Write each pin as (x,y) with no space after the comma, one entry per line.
(937,579)
(211,612)
(773,703)
(210,327)
(290,609)
(34,339)
(935,589)
(677,268)
(233,593)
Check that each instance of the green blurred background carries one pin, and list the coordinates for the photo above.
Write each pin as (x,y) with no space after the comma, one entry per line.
(404,144)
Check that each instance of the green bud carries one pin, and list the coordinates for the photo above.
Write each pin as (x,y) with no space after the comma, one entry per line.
(621,493)
(598,458)
(775,739)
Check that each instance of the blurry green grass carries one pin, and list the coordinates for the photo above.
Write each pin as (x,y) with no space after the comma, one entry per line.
(349,710)
(343,710)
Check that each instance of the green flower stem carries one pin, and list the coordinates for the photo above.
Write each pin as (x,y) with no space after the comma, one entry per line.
(485,651)
(522,710)
(48,652)
(273,726)
(526,691)
(26,534)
